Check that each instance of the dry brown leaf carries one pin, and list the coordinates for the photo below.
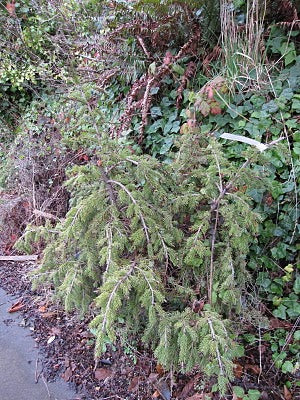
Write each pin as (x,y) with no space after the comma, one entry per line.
(215,110)
(16,307)
(234,397)
(67,374)
(159,369)
(287,394)
(276,323)
(189,386)
(198,396)
(155,394)
(48,314)
(11,8)
(152,377)
(238,370)
(254,368)
(134,384)
(102,374)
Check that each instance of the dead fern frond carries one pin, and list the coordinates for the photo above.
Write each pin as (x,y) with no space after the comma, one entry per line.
(288,11)
(214,55)
(146,104)
(188,74)
(293,25)
(191,45)
(148,81)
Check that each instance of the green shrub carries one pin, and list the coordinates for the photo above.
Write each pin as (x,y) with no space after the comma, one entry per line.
(163,247)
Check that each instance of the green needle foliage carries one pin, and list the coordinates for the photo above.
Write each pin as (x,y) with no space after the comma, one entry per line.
(146,242)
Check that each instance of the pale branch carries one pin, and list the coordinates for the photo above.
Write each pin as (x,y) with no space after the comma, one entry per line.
(112,295)
(109,188)
(146,105)
(76,215)
(143,46)
(45,215)
(215,203)
(149,284)
(217,347)
(165,251)
(212,255)
(199,230)
(219,171)
(32,257)
(135,203)
(132,161)
(109,255)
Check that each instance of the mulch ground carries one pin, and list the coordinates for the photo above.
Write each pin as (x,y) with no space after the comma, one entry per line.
(67,348)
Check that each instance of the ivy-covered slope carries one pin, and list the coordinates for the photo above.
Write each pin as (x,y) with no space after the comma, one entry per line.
(173,234)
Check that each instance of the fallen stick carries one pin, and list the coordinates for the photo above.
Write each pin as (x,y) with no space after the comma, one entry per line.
(45,215)
(32,257)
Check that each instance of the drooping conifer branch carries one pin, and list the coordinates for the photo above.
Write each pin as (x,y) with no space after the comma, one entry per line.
(135,203)
(112,295)
(169,242)
(217,347)
(215,222)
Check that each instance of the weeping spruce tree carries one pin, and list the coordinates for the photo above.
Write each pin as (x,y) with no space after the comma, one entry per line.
(161,247)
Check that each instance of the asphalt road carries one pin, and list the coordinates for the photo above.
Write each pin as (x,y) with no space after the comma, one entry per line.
(18,360)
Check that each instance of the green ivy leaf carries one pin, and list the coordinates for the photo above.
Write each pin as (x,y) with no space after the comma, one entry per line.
(290,57)
(287,367)
(280,312)
(297,335)
(152,68)
(178,69)
(270,107)
(296,286)
(254,394)
(238,391)
(156,112)
(296,105)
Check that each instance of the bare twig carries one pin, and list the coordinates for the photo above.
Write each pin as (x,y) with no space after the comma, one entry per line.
(135,203)
(217,347)
(109,188)
(260,355)
(212,256)
(47,388)
(143,46)
(43,214)
(32,257)
(37,374)
(112,295)
(229,185)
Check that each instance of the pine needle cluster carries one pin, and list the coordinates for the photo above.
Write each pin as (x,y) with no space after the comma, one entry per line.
(161,247)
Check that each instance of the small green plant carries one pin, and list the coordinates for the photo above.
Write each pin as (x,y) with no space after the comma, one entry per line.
(283,297)
(252,394)
(285,347)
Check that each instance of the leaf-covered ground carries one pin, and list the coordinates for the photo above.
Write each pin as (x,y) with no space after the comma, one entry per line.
(67,346)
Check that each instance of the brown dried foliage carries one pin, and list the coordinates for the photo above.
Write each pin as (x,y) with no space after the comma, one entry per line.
(15,212)
(139,98)
(188,74)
